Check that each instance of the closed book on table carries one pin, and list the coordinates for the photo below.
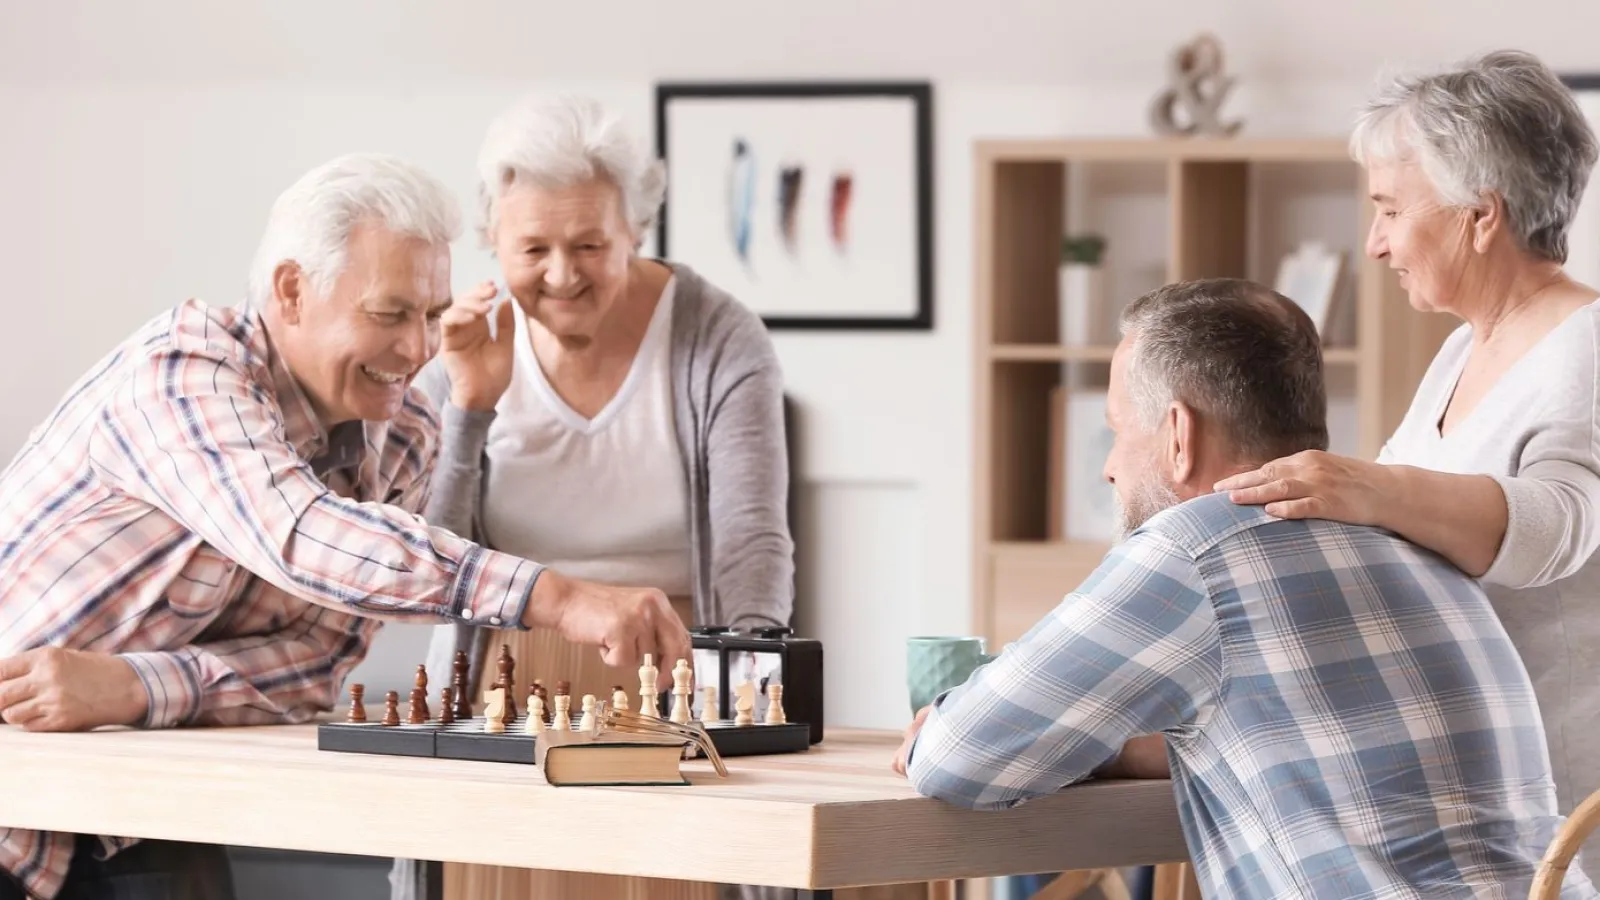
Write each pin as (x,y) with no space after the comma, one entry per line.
(608,760)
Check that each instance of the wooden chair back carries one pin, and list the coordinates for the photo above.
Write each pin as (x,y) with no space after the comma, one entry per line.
(1553,868)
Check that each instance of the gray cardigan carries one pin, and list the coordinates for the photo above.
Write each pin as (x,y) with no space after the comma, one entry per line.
(728,405)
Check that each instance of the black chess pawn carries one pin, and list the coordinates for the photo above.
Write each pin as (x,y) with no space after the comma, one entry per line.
(358,708)
(447,713)
(544,700)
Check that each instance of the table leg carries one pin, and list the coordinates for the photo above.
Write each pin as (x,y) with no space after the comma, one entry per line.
(432,880)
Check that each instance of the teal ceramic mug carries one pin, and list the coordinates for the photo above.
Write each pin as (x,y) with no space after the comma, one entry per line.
(936,664)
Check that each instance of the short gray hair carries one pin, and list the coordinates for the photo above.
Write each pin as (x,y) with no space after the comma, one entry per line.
(310,223)
(1237,353)
(561,140)
(1501,123)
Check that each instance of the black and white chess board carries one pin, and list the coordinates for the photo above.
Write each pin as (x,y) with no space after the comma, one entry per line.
(466,739)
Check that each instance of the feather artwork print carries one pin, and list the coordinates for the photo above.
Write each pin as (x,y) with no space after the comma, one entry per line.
(839,210)
(789,181)
(741,198)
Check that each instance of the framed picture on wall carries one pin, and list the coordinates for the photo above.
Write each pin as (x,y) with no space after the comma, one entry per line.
(809,202)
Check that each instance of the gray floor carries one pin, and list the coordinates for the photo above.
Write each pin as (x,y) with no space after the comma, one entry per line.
(279,875)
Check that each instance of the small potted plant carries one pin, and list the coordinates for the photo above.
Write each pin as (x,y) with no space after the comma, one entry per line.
(1079,285)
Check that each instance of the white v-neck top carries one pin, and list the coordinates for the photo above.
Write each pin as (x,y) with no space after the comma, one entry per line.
(1537,432)
(606,498)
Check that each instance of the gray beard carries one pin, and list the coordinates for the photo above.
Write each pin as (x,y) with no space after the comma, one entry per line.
(1151,496)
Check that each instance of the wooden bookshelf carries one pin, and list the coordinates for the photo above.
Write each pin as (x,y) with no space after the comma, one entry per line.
(1170,210)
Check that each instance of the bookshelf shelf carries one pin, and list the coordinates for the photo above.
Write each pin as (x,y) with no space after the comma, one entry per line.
(1052,353)
(1169,210)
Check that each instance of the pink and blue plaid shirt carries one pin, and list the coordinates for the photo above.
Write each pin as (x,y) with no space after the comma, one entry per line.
(183,508)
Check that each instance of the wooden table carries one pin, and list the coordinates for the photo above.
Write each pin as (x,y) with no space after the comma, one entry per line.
(833,817)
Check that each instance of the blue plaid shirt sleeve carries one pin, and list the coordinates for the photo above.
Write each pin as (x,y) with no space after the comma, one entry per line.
(1135,650)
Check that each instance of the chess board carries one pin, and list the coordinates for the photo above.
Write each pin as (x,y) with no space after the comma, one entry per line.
(466,739)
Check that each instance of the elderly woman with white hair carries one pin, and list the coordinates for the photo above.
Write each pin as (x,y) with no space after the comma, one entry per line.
(623,422)
(1477,173)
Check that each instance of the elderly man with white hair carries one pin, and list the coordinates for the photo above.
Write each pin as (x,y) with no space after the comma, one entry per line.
(211,524)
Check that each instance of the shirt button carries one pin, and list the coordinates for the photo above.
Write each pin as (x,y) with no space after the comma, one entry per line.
(466,614)
(494,620)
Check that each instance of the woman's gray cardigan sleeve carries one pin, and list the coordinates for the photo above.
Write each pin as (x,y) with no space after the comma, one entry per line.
(453,504)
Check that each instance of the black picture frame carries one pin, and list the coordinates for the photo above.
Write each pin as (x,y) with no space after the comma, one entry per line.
(918,93)
(1583,253)
(1581,81)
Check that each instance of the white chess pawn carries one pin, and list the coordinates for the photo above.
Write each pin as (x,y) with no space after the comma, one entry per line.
(681,676)
(619,698)
(586,721)
(562,720)
(647,687)
(775,715)
(708,709)
(535,714)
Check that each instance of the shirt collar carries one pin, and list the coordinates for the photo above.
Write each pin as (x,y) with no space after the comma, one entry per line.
(301,427)
(326,450)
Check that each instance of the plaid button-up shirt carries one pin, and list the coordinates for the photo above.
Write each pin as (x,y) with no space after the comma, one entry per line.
(1344,715)
(182,507)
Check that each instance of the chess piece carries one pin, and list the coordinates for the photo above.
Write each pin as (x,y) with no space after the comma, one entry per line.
(1195,81)
(681,676)
(562,721)
(536,713)
(708,709)
(775,715)
(619,697)
(544,699)
(647,688)
(391,708)
(744,702)
(494,711)
(417,714)
(507,668)
(358,708)
(458,682)
(586,722)
(447,713)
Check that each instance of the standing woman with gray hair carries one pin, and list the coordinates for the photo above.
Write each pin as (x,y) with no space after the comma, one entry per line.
(1477,173)
(623,423)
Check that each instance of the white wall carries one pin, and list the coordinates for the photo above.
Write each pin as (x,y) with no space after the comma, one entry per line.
(141,144)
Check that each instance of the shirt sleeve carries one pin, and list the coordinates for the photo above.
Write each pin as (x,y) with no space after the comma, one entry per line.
(1552,504)
(752,551)
(286,676)
(193,436)
(1134,651)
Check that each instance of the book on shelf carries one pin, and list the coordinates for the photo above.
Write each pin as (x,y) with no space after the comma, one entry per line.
(581,759)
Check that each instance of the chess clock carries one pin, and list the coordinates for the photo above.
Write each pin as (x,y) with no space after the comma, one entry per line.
(726,658)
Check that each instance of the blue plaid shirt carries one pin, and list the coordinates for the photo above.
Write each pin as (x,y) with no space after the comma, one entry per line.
(1344,715)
